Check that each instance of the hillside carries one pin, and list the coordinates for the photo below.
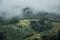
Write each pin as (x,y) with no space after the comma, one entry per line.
(23,31)
(52,31)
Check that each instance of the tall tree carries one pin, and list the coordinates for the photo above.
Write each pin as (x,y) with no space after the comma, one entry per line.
(27,12)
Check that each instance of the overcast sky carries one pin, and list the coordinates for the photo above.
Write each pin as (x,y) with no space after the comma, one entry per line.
(15,6)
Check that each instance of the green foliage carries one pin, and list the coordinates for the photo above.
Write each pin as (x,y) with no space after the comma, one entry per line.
(14,20)
(1,21)
(28,13)
(40,25)
(12,32)
(59,34)
(55,36)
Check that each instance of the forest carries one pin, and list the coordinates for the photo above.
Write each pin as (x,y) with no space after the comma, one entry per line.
(41,25)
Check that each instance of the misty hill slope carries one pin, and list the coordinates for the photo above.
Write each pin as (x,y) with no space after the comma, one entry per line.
(26,23)
(52,31)
(23,31)
(18,31)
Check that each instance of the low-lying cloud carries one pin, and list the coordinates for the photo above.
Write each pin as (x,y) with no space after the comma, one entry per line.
(14,7)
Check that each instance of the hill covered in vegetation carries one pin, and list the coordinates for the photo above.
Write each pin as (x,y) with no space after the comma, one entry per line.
(39,26)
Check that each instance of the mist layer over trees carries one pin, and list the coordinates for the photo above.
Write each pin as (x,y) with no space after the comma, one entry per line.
(29,20)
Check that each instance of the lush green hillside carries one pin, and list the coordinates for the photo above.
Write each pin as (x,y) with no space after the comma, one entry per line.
(14,32)
(52,31)
(31,26)
(23,30)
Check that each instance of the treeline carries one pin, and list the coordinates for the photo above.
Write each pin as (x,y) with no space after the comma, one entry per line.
(28,13)
(18,33)
(12,20)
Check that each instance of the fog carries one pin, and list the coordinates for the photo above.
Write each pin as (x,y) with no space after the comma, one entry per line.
(14,7)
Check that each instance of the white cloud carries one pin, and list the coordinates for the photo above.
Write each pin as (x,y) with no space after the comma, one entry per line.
(47,5)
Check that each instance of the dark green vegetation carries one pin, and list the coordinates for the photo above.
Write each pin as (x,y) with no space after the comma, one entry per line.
(39,26)
(13,32)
